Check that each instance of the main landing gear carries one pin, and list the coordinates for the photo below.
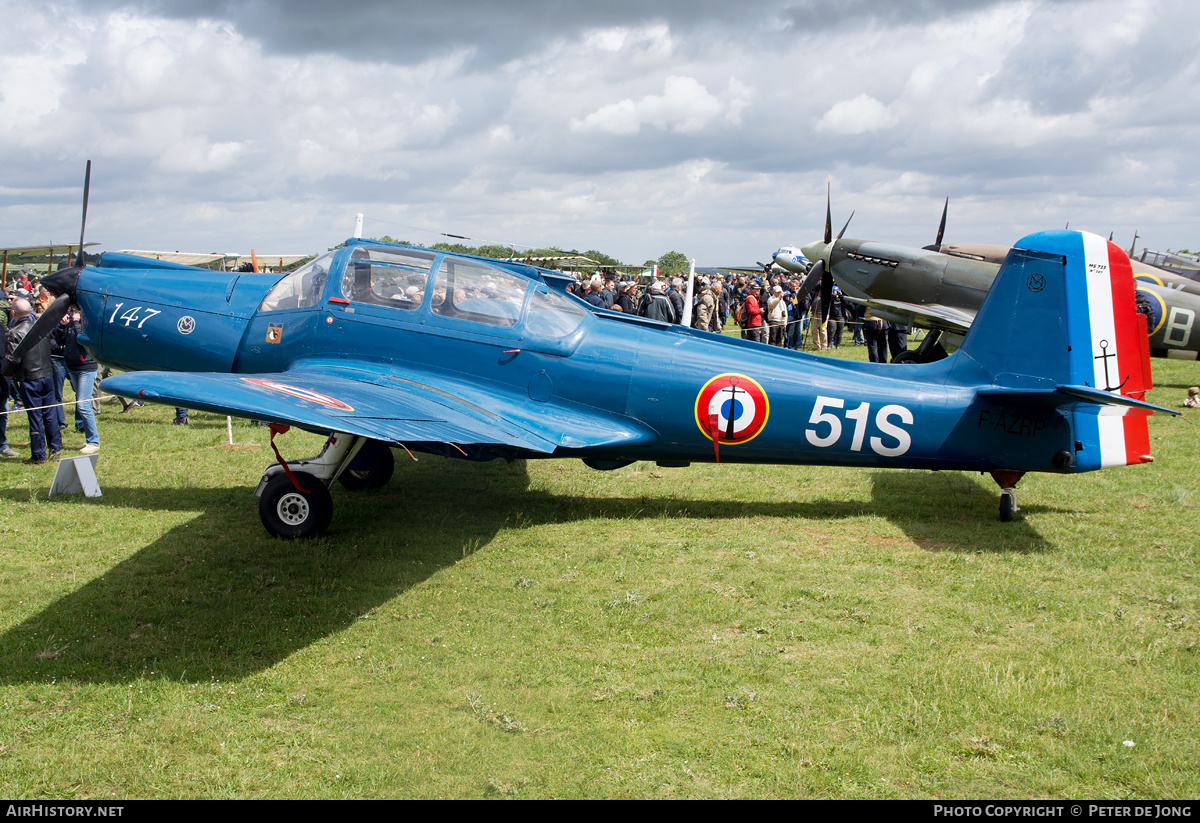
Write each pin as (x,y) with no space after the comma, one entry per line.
(294,501)
(1007,481)
(929,351)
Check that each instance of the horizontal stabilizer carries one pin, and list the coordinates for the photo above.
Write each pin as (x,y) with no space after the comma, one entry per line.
(1063,396)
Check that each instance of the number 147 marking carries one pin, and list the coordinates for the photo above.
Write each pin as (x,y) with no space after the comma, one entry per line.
(131,315)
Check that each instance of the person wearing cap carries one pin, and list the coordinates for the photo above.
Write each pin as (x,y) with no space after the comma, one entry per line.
(753,312)
(1192,401)
(627,297)
(776,316)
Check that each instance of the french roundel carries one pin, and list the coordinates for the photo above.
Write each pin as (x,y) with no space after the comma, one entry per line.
(735,404)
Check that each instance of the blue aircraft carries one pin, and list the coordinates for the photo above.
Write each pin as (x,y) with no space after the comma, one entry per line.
(381,346)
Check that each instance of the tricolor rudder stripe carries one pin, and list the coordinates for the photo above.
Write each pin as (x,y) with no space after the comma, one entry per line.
(1109,351)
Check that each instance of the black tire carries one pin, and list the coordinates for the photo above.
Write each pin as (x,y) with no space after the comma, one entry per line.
(373,472)
(287,513)
(1008,506)
(906,357)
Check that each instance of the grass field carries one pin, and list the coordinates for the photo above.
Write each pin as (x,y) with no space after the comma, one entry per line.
(538,629)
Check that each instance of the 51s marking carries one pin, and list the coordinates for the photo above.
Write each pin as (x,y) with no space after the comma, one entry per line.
(859,414)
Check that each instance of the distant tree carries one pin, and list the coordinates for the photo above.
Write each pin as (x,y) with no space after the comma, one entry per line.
(601,258)
(672,263)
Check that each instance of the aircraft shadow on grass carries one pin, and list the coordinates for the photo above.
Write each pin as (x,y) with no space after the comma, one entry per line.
(217,598)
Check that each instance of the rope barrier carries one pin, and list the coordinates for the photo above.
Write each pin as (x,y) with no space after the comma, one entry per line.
(64,403)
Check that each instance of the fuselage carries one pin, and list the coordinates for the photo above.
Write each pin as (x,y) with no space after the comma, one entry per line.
(792,259)
(509,336)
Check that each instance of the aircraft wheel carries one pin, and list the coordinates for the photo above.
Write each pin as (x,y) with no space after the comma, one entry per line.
(358,477)
(1008,505)
(287,513)
(907,357)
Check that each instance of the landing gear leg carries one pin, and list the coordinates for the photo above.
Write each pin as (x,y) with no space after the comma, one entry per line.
(1007,481)
(298,504)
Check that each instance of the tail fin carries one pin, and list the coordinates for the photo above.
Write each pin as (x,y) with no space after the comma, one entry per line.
(1060,322)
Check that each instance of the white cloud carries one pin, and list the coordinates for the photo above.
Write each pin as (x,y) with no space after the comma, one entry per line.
(685,106)
(862,114)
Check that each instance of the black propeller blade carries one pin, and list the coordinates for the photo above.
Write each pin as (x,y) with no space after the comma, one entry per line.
(87,183)
(843,231)
(937,244)
(813,277)
(828,216)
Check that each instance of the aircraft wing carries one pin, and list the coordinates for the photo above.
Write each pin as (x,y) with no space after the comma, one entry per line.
(928,315)
(405,408)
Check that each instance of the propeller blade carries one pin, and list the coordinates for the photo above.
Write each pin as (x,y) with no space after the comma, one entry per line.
(828,216)
(253,261)
(843,231)
(87,184)
(1134,243)
(813,277)
(47,322)
(942,226)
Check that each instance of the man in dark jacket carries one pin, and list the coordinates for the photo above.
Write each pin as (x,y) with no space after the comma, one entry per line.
(656,305)
(37,391)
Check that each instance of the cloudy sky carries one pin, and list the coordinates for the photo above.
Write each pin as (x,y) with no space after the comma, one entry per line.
(703,126)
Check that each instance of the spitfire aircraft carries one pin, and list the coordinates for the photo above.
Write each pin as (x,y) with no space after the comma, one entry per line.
(941,287)
(377,345)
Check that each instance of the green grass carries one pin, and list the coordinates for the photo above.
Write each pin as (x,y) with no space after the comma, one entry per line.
(538,629)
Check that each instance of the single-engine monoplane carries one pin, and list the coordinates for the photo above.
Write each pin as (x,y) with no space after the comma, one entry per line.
(377,345)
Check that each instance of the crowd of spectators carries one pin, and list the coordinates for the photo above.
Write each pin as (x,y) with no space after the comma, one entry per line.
(768,309)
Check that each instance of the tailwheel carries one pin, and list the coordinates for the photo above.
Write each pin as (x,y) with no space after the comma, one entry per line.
(288,513)
(1007,481)
(1008,505)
